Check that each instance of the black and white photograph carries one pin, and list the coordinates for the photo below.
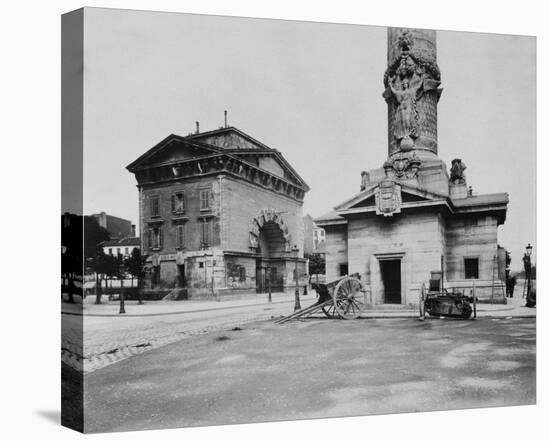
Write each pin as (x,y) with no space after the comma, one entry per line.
(270,220)
(274,220)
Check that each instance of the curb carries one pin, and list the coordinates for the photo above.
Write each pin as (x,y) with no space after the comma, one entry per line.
(155,314)
(378,317)
(446,318)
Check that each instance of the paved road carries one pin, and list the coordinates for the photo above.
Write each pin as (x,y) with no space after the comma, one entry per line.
(317,368)
(112,338)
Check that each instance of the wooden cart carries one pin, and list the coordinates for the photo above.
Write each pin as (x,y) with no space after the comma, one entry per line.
(341,298)
(453,304)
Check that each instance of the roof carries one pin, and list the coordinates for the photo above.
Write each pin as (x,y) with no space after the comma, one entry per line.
(495,202)
(483,199)
(331,217)
(164,143)
(195,140)
(229,129)
(125,242)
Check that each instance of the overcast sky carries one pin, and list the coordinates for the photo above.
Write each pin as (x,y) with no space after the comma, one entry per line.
(312,91)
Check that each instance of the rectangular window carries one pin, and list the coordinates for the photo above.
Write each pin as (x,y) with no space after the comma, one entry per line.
(471,268)
(205,199)
(155,206)
(180,236)
(118,251)
(110,251)
(125,250)
(205,232)
(155,238)
(343,269)
(178,202)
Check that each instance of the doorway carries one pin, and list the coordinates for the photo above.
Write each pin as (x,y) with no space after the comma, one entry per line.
(181,276)
(260,277)
(391,279)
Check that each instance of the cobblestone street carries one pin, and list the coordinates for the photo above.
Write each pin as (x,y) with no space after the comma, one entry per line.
(110,337)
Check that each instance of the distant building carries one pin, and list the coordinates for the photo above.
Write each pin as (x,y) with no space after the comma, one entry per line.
(123,247)
(319,239)
(314,236)
(220,212)
(116,226)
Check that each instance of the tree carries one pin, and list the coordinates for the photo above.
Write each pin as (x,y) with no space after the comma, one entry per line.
(316,263)
(136,266)
(94,234)
(71,251)
(102,264)
(80,241)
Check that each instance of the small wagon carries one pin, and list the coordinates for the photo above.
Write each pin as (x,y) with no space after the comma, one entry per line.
(452,304)
(340,298)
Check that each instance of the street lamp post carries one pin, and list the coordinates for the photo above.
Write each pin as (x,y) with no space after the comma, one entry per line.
(268,274)
(121,276)
(528,274)
(297,305)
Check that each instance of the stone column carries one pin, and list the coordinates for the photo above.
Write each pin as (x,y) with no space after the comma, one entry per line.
(412,91)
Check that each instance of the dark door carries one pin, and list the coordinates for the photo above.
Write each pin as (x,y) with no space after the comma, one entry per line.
(391,279)
(344,269)
(181,276)
(260,277)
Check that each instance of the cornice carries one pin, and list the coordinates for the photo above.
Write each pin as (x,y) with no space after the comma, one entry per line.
(180,171)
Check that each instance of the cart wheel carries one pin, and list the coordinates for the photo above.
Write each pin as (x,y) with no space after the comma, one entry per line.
(330,311)
(349,298)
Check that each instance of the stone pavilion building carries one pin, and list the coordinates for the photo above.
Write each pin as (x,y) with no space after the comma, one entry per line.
(414,218)
(220,213)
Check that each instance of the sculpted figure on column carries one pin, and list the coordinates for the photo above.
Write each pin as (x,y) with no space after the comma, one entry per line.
(406,116)
(411,78)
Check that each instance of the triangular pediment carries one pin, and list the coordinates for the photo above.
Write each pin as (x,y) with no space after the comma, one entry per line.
(408,194)
(228,138)
(228,141)
(170,149)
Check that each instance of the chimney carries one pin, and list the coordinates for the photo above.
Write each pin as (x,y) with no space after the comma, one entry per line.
(133,230)
(225,118)
(197,130)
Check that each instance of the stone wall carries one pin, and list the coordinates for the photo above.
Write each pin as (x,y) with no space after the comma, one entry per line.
(415,238)
(240,273)
(474,237)
(336,250)
(242,202)
(191,218)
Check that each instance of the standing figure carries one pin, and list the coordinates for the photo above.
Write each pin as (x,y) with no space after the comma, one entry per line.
(364,180)
(405,119)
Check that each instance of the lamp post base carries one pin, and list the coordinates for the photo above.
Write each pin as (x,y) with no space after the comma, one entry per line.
(297,305)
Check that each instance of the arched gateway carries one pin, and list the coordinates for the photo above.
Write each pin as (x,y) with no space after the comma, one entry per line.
(269,239)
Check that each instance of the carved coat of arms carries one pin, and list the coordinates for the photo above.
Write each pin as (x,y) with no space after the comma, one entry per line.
(402,166)
(388,198)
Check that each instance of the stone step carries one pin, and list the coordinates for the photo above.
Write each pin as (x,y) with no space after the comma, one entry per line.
(391,307)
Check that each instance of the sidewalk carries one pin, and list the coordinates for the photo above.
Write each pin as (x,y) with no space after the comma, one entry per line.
(514,308)
(173,307)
